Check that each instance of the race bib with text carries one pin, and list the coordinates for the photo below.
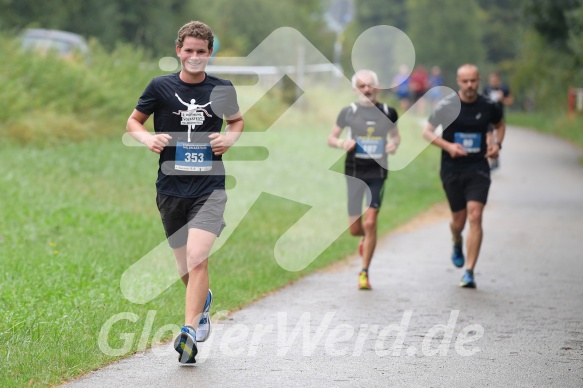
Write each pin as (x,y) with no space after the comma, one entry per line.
(472,142)
(193,157)
(367,148)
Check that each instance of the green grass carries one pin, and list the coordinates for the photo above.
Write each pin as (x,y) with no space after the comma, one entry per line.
(559,124)
(75,217)
(78,209)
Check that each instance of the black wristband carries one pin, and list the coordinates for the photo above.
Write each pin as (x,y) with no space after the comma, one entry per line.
(499,146)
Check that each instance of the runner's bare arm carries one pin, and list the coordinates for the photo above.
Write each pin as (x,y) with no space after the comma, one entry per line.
(508,100)
(500,131)
(135,127)
(221,143)
(334,140)
(454,149)
(489,138)
(494,147)
(395,141)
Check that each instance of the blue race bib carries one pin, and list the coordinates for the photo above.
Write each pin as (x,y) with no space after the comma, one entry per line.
(193,157)
(369,148)
(472,142)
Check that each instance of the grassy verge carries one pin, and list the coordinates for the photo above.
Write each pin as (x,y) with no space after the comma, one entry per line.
(569,128)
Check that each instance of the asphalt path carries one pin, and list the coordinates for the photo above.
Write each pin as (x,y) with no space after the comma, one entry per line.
(522,326)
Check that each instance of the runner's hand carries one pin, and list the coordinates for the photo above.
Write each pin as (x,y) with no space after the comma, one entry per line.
(219,143)
(391,148)
(493,151)
(348,145)
(157,143)
(456,150)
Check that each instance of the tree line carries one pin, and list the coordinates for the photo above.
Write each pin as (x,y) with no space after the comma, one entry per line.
(536,44)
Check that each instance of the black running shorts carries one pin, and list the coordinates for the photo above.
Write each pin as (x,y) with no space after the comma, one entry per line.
(180,214)
(357,191)
(464,186)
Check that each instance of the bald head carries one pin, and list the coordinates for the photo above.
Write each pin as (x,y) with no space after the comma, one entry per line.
(468,80)
(468,68)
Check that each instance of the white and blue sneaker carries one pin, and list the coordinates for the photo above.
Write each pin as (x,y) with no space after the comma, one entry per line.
(185,345)
(204,325)
(468,280)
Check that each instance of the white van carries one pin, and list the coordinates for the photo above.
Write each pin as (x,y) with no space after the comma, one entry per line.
(65,44)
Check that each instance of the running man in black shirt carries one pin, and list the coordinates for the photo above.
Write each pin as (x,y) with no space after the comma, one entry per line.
(466,144)
(191,178)
(369,124)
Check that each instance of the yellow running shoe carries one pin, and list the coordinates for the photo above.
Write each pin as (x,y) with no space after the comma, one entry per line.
(363,283)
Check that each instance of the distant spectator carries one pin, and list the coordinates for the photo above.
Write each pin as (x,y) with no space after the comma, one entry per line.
(498,92)
(419,84)
(435,79)
(401,82)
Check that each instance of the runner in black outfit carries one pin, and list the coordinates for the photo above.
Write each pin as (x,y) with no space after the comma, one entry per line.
(465,173)
(191,178)
(369,124)
(500,94)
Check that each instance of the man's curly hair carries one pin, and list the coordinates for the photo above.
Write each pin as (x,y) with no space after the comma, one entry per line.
(195,29)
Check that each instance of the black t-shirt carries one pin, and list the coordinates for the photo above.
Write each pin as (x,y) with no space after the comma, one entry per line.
(469,129)
(178,106)
(369,126)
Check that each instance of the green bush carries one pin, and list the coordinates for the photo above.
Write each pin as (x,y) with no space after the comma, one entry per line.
(48,100)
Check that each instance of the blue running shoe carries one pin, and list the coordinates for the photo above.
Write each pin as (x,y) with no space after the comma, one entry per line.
(185,345)
(468,280)
(458,255)
(204,325)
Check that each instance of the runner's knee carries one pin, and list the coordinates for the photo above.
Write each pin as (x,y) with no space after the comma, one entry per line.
(197,261)
(475,216)
(370,225)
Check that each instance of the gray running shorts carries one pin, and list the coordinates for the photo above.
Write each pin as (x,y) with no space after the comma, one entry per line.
(180,214)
